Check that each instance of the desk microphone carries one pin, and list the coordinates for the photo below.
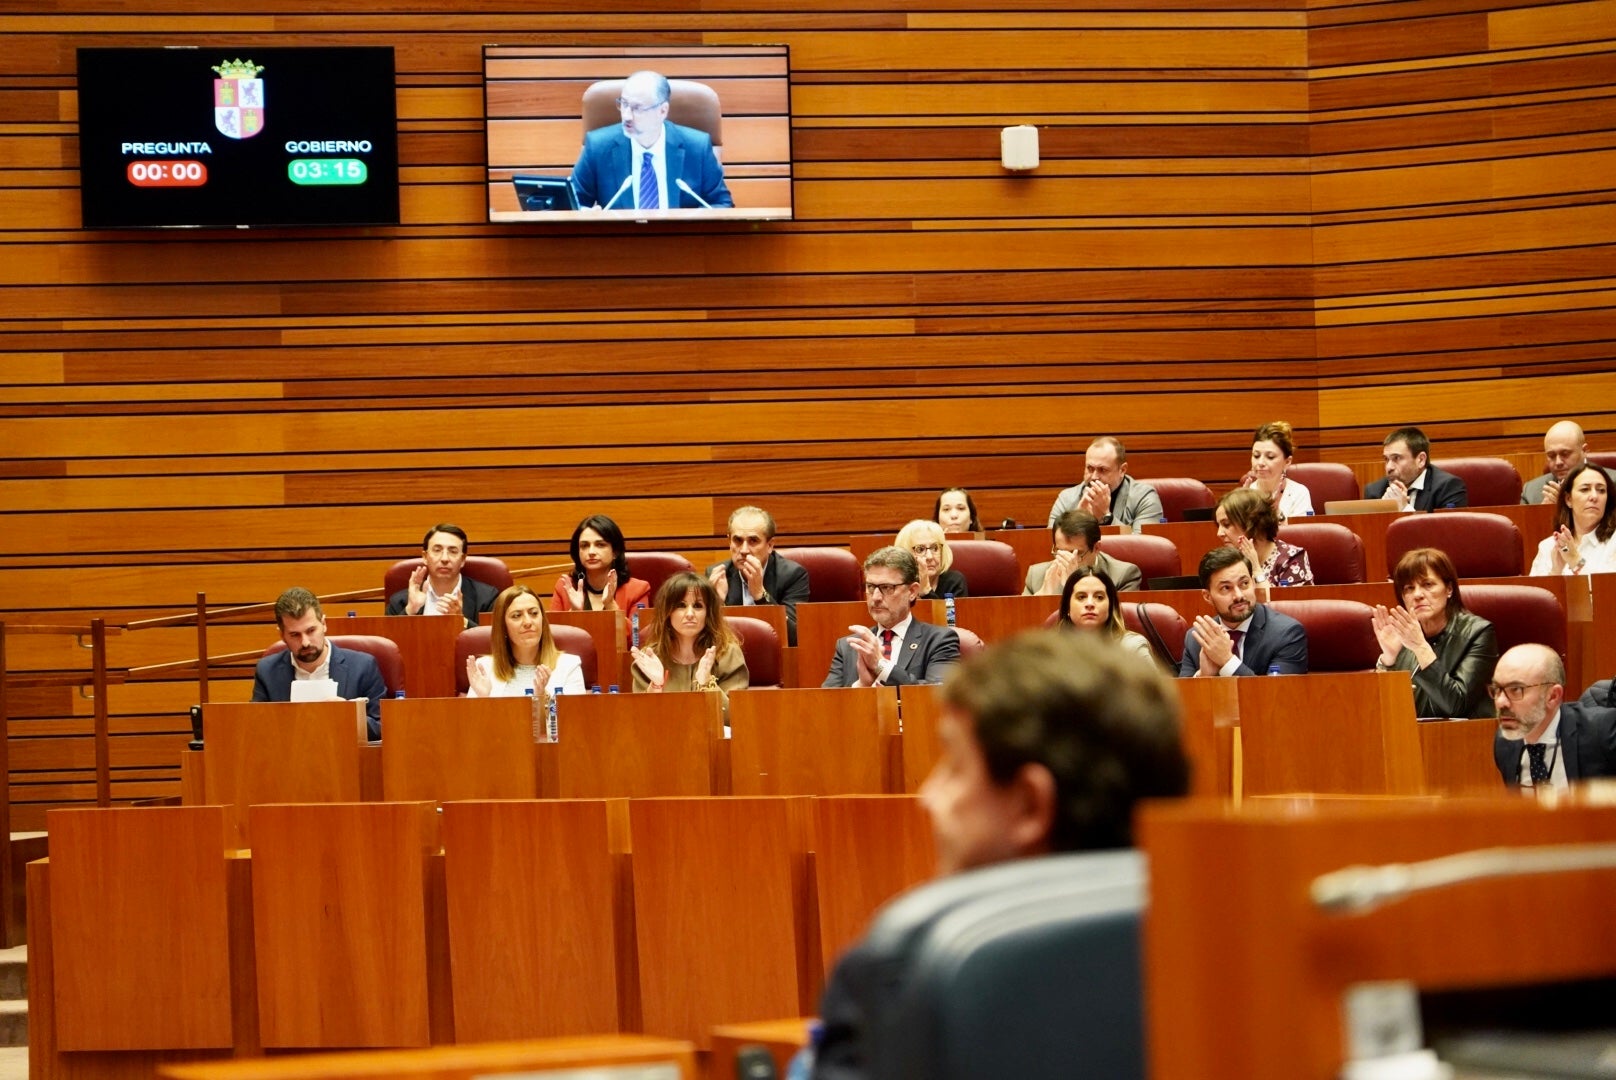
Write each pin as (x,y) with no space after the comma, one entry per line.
(686,188)
(627,180)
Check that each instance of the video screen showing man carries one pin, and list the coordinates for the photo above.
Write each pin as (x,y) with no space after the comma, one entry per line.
(645,161)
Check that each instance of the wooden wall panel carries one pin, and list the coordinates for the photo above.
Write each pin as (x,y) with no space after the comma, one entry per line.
(1351,215)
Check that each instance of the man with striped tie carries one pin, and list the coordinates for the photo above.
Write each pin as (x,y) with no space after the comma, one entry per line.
(647,162)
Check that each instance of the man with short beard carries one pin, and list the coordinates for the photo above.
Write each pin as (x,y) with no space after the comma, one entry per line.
(308,655)
(1544,740)
(1245,637)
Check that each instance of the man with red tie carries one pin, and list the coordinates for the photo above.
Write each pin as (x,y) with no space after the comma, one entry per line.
(1245,637)
(899,649)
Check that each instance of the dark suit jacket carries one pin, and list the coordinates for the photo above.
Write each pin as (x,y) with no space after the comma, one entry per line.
(356,675)
(1271,638)
(1442,490)
(608,157)
(475,598)
(927,652)
(784,583)
(1587,743)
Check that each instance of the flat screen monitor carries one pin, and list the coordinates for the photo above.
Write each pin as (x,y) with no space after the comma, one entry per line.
(614,134)
(230,135)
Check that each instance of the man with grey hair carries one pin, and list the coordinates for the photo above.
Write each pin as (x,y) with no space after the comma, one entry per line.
(1564,448)
(899,649)
(647,162)
(755,573)
(1108,492)
(1544,740)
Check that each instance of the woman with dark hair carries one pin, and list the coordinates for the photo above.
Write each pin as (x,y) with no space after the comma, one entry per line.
(688,645)
(1584,526)
(1271,453)
(1089,602)
(955,511)
(1247,521)
(523,656)
(599,580)
(1450,651)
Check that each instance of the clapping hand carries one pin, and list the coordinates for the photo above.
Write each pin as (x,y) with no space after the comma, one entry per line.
(1060,568)
(704,666)
(1096,499)
(752,574)
(1217,647)
(417,596)
(574,591)
(476,679)
(651,665)
(868,650)
(1566,551)
(1396,629)
(608,595)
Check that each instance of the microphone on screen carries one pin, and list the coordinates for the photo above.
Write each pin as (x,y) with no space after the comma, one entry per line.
(686,188)
(627,180)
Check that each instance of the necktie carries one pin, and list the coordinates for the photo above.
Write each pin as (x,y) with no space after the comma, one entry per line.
(1537,767)
(1235,637)
(886,644)
(648,184)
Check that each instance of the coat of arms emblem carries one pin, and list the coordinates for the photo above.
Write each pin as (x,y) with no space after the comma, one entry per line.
(238,99)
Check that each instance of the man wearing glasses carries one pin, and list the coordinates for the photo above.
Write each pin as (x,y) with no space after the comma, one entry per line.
(1544,740)
(1074,535)
(755,573)
(899,649)
(645,162)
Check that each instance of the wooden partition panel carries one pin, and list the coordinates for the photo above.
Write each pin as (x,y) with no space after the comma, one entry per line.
(813,742)
(640,745)
(1348,734)
(438,749)
(426,644)
(265,752)
(867,850)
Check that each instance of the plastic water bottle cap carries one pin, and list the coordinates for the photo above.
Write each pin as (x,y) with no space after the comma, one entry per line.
(399,695)
(613,689)
(528,691)
(353,614)
(1273,669)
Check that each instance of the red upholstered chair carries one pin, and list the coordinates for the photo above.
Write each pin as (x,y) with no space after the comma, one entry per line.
(485,568)
(1162,626)
(477,641)
(1326,481)
(1480,545)
(1605,459)
(1181,493)
(1489,481)
(655,567)
(833,572)
(970,644)
(1520,614)
(762,648)
(385,650)
(1155,556)
(1340,636)
(1334,551)
(990,567)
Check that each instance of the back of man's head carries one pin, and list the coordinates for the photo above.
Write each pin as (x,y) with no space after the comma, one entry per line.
(1101,721)
(1078,523)
(293,603)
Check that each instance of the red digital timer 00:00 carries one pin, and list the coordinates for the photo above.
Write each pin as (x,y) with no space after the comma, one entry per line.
(167,173)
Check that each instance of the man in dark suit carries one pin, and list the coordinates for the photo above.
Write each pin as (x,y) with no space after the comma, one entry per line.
(1411,481)
(1544,740)
(638,163)
(1047,742)
(1245,637)
(901,649)
(754,574)
(309,655)
(437,587)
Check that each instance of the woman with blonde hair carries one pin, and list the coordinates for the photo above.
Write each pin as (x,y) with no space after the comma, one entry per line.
(688,645)
(924,540)
(1271,453)
(523,654)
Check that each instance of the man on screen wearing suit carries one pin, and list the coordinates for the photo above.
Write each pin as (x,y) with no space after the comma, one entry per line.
(638,163)
(1542,739)
(1245,638)
(437,587)
(900,650)
(308,655)
(1411,481)
(755,573)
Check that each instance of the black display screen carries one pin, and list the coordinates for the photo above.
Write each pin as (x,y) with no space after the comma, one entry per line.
(228,136)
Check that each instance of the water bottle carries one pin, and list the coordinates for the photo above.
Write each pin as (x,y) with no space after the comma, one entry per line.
(613,689)
(1162,519)
(555,726)
(1273,669)
(802,1063)
(399,694)
(1310,511)
(595,689)
(353,614)
(533,705)
(948,608)
(634,626)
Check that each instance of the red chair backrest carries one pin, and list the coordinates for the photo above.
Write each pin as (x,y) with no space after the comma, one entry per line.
(1155,556)
(1489,481)
(655,567)
(385,650)
(1340,636)
(762,648)
(1334,551)
(833,573)
(485,568)
(478,641)
(990,567)
(1181,493)
(1520,614)
(1480,545)
(1162,626)
(1326,481)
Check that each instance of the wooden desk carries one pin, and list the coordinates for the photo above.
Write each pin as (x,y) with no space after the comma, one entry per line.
(593,1056)
(819,626)
(438,749)
(994,618)
(1348,734)
(919,747)
(813,742)
(866,850)
(277,752)
(1209,717)
(426,644)
(640,745)
(782,1038)
(1458,757)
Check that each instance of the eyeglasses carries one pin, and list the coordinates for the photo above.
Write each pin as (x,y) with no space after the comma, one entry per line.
(1515,691)
(885,588)
(634,106)
(927,549)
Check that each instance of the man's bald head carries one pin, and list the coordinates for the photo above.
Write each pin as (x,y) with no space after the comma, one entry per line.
(1528,687)
(1565,448)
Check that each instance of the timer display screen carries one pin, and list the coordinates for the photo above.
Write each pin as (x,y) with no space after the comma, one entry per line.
(237,135)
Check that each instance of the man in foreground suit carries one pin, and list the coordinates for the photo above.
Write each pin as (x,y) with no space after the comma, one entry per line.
(638,163)
(1048,741)
(1411,481)
(1074,536)
(754,573)
(901,650)
(1544,740)
(437,587)
(1245,637)
(309,655)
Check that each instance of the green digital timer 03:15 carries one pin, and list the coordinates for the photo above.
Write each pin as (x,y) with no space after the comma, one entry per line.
(326,171)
